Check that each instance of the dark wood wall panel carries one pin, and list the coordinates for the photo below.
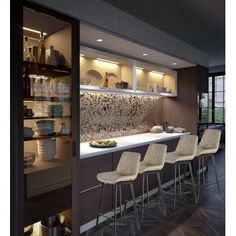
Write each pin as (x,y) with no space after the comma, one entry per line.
(48,204)
(182,110)
(89,203)
(90,167)
(202,79)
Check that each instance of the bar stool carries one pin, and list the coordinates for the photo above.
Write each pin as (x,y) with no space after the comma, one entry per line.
(184,154)
(207,147)
(152,163)
(125,173)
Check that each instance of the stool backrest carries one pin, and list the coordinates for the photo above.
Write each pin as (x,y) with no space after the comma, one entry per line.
(187,145)
(211,139)
(155,154)
(129,163)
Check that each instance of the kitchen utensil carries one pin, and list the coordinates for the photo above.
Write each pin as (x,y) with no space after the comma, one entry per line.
(169,129)
(55,110)
(122,85)
(29,112)
(103,143)
(156,129)
(28,132)
(52,226)
(29,158)
(45,127)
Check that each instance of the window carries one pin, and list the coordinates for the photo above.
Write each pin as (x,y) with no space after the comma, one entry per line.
(216,99)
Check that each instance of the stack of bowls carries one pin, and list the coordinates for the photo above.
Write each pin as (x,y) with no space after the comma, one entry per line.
(46,149)
(45,127)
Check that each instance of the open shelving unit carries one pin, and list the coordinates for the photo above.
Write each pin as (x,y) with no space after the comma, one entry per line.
(142,78)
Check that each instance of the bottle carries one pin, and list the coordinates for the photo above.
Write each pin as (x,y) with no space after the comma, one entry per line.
(41,52)
(25,53)
(105,84)
(30,56)
(26,83)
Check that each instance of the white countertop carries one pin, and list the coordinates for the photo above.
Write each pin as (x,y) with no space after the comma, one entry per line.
(126,142)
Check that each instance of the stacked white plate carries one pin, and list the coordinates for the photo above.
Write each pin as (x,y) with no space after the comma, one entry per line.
(46,149)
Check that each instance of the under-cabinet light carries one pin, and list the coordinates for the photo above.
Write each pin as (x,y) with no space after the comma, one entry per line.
(99,40)
(34,31)
(82,55)
(156,72)
(34,76)
(104,60)
(174,63)
(139,68)
(144,54)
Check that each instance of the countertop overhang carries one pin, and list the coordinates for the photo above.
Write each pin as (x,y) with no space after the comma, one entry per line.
(127,142)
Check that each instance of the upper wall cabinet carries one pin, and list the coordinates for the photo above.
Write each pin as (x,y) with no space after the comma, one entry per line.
(104,72)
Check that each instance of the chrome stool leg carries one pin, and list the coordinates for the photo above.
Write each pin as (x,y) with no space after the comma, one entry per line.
(99,206)
(115,209)
(135,206)
(143,183)
(161,193)
(193,185)
(216,175)
(126,198)
(147,189)
(199,176)
(180,187)
(174,195)
(203,172)
(120,201)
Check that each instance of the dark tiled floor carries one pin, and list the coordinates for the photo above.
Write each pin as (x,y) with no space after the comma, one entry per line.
(207,218)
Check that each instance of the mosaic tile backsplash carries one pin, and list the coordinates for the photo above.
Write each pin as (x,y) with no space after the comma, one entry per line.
(106,115)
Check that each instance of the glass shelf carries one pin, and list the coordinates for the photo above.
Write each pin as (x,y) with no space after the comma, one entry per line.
(55,135)
(47,99)
(46,117)
(47,70)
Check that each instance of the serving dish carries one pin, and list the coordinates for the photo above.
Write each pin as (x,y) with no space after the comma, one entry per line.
(103,143)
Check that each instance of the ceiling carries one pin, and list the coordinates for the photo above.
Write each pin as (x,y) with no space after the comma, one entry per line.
(41,22)
(112,43)
(201,23)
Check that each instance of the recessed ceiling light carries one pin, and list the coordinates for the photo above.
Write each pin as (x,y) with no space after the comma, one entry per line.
(174,63)
(99,40)
(144,54)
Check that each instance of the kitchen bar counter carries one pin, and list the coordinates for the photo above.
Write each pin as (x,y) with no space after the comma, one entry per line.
(126,142)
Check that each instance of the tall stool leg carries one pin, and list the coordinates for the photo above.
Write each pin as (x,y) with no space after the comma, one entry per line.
(115,209)
(174,195)
(143,183)
(161,193)
(99,206)
(126,198)
(147,188)
(194,190)
(120,201)
(217,181)
(198,177)
(135,207)
(185,171)
(180,187)
(203,172)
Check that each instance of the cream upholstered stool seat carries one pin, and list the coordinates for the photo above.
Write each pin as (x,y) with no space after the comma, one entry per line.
(152,163)
(184,154)
(125,173)
(207,147)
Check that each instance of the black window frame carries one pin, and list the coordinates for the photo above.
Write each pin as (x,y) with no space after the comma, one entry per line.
(213,91)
